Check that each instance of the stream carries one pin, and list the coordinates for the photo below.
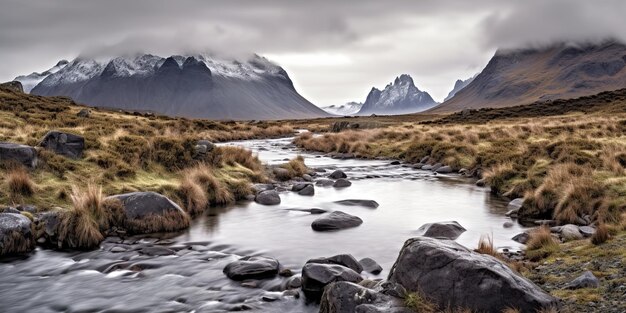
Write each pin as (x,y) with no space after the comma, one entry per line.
(192,279)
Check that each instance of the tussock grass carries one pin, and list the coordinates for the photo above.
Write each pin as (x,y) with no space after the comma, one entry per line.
(296,167)
(485,246)
(417,302)
(601,235)
(19,183)
(541,244)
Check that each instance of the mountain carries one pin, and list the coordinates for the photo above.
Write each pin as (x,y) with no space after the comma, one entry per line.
(560,71)
(458,85)
(196,86)
(31,80)
(399,97)
(349,108)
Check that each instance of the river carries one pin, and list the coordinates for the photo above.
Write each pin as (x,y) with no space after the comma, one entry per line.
(192,280)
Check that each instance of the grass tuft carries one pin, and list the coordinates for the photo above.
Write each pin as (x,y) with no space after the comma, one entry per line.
(19,183)
(541,244)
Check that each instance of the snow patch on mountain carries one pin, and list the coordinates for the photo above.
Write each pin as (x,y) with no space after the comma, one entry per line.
(31,80)
(349,108)
(399,97)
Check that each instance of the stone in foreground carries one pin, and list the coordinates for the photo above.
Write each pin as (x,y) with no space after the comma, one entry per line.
(23,154)
(150,212)
(316,276)
(347,297)
(342,183)
(65,144)
(454,277)
(336,221)
(268,197)
(252,267)
(346,260)
(16,234)
(446,230)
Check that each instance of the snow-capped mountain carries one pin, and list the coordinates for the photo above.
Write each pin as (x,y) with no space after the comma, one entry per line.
(349,108)
(197,86)
(458,85)
(400,97)
(31,80)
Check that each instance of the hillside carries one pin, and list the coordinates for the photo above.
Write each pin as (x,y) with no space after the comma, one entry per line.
(560,71)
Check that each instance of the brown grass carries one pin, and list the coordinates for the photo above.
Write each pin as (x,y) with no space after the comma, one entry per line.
(485,246)
(168,222)
(78,229)
(201,187)
(541,244)
(601,235)
(19,183)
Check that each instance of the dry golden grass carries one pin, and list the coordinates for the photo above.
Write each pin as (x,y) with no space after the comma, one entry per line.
(541,244)
(485,246)
(601,235)
(19,183)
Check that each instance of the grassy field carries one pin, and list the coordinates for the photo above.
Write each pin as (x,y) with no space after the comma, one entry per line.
(566,158)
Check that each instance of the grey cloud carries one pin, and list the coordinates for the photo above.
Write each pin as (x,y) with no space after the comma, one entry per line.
(435,41)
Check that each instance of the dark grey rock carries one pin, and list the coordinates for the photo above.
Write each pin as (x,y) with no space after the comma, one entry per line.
(268,197)
(309,190)
(157,251)
(521,238)
(337,174)
(342,183)
(348,297)
(359,202)
(587,231)
(16,234)
(150,212)
(307,177)
(586,280)
(336,221)
(447,230)
(346,260)
(481,182)
(311,210)
(299,186)
(444,170)
(22,154)
(316,276)
(252,267)
(65,144)
(453,276)
(507,224)
(370,266)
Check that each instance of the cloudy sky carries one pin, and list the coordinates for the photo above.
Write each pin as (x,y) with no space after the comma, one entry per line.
(334,51)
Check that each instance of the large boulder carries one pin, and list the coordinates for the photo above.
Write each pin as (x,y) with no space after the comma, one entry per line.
(65,144)
(337,174)
(446,230)
(347,297)
(148,212)
(346,260)
(359,202)
(316,276)
(16,234)
(23,154)
(252,267)
(336,221)
(453,276)
(268,197)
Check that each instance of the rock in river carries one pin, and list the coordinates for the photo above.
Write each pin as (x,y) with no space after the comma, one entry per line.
(570,232)
(342,183)
(252,267)
(347,297)
(370,266)
(316,276)
(149,212)
(65,144)
(16,234)
(336,221)
(359,202)
(25,155)
(268,197)
(453,276)
(309,190)
(338,174)
(346,260)
(324,182)
(447,230)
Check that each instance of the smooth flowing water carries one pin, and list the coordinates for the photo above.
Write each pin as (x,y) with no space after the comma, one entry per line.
(192,280)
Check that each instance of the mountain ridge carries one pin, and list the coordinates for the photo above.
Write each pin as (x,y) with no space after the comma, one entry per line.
(399,97)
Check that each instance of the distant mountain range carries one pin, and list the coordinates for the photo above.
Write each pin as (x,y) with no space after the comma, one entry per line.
(349,108)
(561,71)
(197,86)
(399,97)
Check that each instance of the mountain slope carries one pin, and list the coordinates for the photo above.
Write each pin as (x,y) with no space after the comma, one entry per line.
(198,86)
(344,109)
(400,97)
(31,80)
(458,85)
(561,71)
